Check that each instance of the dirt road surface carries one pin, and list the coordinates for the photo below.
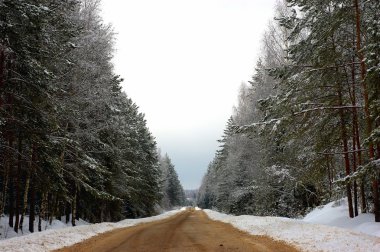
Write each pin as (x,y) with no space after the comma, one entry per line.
(188,231)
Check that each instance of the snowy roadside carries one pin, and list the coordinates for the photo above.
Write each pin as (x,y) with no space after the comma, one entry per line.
(7,232)
(336,214)
(58,238)
(303,235)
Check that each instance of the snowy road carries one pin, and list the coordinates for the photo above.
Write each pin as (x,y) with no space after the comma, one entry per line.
(188,231)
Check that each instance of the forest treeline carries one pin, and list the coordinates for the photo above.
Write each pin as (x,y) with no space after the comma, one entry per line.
(72,143)
(306,129)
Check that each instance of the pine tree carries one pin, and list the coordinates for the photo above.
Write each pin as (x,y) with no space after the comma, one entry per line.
(173,193)
(73,144)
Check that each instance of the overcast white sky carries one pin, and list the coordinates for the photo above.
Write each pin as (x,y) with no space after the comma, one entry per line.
(183,62)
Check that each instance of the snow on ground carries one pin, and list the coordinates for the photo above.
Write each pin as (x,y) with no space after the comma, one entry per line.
(336,214)
(7,232)
(341,234)
(303,235)
(52,239)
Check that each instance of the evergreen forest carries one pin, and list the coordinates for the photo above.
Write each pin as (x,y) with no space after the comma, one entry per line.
(306,129)
(73,144)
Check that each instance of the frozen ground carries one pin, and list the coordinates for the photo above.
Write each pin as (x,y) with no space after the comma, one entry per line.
(57,238)
(338,232)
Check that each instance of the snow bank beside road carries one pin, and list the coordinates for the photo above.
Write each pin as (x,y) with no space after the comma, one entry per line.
(305,236)
(7,232)
(336,214)
(59,238)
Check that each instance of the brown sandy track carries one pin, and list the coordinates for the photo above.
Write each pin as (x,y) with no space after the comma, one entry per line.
(187,231)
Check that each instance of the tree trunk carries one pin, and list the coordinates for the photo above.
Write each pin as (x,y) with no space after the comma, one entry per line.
(54,209)
(67,212)
(17,185)
(25,201)
(32,206)
(74,207)
(356,139)
(329,174)
(5,185)
(5,160)
(2,71)
(42,215)
(11,204)
(356,154)
(49,207)
(32,190)
(363,70)
(345,150)
(59,209)
(355,187)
